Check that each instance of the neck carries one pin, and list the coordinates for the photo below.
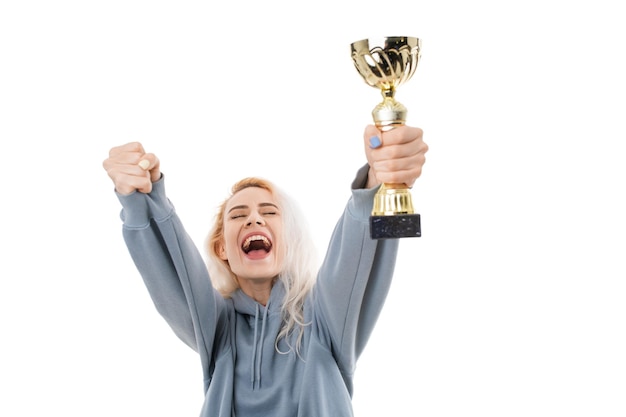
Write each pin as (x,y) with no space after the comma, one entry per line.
(257,289)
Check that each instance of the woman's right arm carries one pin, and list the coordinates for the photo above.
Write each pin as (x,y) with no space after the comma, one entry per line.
(171,266)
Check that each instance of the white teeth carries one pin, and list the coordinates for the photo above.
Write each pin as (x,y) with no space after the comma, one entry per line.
(254,238)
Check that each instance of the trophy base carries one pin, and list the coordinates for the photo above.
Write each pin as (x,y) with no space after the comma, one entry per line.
(395,226)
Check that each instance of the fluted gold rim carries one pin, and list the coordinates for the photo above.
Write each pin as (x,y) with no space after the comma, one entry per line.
(387,62)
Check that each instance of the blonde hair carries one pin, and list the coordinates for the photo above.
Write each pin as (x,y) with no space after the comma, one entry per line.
(299,265)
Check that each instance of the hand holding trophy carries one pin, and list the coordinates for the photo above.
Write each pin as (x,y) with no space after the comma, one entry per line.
(385,64)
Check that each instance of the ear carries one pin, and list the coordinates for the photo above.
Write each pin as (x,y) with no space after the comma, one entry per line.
(221,251)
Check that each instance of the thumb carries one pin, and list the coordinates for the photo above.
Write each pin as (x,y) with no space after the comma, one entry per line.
(372,137)
(150,162)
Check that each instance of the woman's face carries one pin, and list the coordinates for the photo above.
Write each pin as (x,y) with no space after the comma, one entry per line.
(252,225)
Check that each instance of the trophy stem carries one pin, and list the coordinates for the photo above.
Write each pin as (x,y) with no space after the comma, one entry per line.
(393,215)
(392,199)
(389,113)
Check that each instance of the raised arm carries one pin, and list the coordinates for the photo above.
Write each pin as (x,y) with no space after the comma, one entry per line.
(166,257)
(356,274)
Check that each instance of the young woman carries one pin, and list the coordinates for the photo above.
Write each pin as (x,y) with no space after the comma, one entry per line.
(275,337)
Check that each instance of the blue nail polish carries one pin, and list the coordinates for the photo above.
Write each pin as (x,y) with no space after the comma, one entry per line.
(375,142)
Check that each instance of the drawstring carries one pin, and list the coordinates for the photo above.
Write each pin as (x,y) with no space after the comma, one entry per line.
(267,307)
(252,373)
(256,361)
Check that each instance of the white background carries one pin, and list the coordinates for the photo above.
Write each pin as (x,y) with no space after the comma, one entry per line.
(511,304)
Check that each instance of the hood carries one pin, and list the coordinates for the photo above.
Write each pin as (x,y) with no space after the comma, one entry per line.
(247,306)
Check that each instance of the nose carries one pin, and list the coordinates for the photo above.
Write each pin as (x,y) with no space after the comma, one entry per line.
(255,218)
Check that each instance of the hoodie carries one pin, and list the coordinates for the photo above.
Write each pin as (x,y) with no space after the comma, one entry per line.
(246,374)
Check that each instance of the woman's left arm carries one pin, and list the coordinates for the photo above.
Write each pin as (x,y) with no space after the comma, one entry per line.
(356,274)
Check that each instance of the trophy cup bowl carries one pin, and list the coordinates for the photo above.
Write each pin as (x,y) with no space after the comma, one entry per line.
(385,64)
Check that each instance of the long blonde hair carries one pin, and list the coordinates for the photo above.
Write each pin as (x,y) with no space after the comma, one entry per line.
(300,260)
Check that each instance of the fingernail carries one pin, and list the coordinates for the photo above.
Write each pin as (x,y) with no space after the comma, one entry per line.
(375,142)
(144,164)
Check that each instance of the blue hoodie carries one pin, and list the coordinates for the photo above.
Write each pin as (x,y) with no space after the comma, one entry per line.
(244,374)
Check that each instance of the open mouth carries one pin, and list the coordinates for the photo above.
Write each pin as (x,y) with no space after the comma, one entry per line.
(255,243)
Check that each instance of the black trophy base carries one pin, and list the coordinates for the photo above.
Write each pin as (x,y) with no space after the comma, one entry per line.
(395,226)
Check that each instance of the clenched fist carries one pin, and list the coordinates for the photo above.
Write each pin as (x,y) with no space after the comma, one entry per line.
(131,168)
(395,156)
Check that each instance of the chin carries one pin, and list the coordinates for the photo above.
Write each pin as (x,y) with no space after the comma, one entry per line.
(257,272)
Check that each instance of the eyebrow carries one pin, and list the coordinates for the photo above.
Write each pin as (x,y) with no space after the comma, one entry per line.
(243,206)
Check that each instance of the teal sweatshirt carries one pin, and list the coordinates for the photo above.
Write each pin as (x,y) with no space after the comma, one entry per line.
(244,375)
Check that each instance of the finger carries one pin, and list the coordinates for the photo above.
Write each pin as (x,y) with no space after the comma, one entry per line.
(125,157)
(391,152)
(130,147)
(132,154)
(401,134)
(132,184)
(399,169)
(128,178)
(401,163)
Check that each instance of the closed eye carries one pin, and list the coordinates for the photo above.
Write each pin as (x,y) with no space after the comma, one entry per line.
(238,215)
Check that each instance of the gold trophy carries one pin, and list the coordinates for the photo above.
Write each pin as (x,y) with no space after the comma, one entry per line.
(385,64)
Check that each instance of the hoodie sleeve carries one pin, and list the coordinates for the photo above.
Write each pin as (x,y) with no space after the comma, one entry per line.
(354,279)
(172,269)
